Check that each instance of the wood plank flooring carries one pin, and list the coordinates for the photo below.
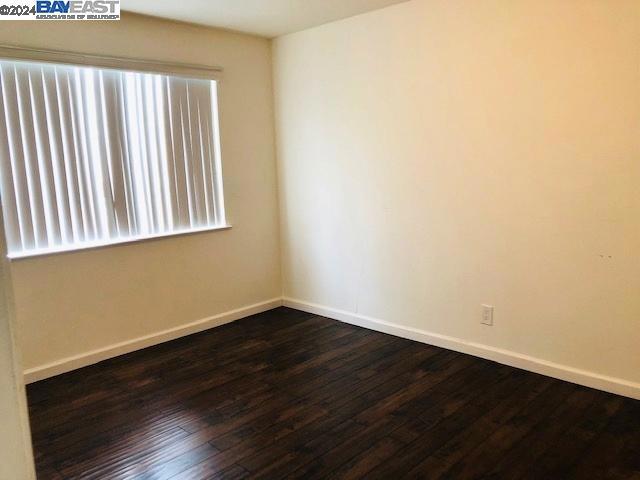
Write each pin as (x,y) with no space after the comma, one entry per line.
(286,394)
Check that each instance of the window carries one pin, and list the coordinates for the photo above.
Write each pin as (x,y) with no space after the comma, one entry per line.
(92,156)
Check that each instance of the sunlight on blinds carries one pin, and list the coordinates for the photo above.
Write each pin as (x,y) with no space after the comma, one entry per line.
(94,156)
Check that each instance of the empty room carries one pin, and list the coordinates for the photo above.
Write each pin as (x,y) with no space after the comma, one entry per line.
(320,239)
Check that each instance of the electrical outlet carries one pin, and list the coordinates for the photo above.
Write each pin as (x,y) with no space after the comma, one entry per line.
(487,315)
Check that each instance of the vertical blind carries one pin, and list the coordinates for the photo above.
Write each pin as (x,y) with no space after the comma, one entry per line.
(96,156)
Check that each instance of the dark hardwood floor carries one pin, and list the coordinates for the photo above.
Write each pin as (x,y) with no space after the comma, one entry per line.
(286,394)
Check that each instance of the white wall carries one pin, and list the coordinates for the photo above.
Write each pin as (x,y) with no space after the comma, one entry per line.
(440,154)
(73,303)
(16,456)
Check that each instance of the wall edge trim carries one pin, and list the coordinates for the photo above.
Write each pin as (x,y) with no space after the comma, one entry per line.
(507,357)
(94,356)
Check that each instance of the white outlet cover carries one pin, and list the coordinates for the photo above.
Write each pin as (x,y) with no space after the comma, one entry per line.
(487,315)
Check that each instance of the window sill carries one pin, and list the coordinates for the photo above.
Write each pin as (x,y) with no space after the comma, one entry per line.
(43,252)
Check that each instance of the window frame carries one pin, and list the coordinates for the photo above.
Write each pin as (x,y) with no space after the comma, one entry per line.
(76,59)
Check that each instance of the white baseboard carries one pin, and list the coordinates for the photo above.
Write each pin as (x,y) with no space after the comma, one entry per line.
(507,357)
(95,356)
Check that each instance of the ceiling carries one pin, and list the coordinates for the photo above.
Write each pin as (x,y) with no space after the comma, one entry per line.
(268,18)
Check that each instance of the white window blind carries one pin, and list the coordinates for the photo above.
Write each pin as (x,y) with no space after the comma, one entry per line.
(93,156)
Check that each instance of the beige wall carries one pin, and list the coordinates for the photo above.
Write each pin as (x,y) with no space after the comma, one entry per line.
(72,303)
(441,154)
(16,455)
